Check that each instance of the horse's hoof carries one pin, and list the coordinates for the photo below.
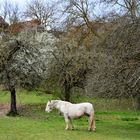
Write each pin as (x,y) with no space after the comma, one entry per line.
(92,130)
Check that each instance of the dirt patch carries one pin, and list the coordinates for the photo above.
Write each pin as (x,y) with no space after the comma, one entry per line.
(4,109)
(29,111)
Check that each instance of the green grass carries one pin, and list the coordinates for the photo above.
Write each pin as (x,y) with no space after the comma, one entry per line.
(25,97)
(51,127)
(35,124)
(36,97)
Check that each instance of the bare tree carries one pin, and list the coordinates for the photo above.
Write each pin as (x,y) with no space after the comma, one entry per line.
(129,7)
(14,14)
(79,12)
(10,12)
(40,10)
(4,11)
(70,66)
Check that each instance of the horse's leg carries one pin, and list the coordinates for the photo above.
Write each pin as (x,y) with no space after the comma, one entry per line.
(94,126)
(72,127)
(67,121)
(91,122)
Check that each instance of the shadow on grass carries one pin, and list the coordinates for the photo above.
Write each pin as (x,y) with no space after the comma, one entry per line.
(12,114)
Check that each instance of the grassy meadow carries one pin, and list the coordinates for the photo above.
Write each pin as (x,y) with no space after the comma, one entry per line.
(115,120)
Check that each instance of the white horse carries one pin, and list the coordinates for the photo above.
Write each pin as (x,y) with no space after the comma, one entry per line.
(71,111)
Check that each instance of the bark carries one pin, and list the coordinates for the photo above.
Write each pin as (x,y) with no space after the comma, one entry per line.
(13,107)
(138,102)
(66,91)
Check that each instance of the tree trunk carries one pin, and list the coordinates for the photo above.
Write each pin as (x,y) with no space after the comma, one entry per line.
(138,101)
(13,107)
(66,91)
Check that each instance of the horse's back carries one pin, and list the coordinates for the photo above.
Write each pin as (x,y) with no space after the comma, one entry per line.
(86,107)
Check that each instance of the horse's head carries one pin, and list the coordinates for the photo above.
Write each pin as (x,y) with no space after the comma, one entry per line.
(49,106)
